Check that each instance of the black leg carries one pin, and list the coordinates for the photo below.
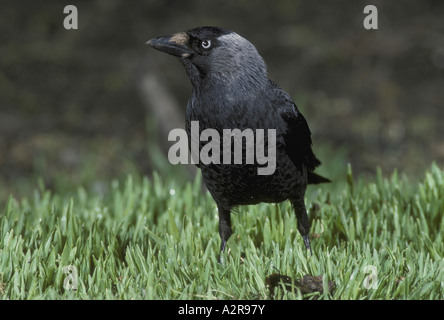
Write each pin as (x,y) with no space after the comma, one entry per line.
(224,228)
(303,221)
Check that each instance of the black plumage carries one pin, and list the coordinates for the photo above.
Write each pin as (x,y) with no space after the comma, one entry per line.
(231,90)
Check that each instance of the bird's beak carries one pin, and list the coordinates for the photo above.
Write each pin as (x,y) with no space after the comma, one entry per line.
(176,45)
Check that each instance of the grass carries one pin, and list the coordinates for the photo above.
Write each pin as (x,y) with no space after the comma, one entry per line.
(154,239)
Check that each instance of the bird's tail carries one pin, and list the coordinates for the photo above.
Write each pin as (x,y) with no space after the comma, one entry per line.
(314,178)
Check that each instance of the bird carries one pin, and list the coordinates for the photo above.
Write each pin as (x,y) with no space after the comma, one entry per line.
(231,90)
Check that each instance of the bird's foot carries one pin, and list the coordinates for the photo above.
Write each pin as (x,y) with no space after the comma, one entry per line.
(307,243)
(221,258)
(221,252)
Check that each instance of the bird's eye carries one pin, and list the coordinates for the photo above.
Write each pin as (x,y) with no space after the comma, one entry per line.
(206,44)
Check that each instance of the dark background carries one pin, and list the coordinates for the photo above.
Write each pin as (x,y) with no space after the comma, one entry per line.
(83,107)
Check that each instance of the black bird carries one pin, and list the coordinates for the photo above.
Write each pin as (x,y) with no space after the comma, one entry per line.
(231,90)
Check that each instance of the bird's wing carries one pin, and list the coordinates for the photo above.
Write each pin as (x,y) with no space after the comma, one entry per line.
(297,136)
(297,139)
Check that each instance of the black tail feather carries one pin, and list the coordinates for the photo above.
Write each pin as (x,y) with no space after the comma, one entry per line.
(314,178)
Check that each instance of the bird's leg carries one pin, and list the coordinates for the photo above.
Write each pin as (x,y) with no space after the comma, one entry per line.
(224,228)
(303,221)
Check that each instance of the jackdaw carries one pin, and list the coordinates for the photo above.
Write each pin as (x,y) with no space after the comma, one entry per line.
(231,90)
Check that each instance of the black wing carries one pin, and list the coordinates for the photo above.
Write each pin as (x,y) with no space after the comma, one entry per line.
(297,137)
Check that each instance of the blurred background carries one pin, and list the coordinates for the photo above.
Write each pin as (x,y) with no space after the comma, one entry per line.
(83,107)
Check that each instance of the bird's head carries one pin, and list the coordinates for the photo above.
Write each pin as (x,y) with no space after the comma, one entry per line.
(214,55)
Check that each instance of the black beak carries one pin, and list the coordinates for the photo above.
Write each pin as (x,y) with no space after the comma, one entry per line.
(176,45)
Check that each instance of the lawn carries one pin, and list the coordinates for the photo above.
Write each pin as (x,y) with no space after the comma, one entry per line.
(148,238)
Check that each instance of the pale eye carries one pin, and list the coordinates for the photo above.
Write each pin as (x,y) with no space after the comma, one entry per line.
(206,44)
